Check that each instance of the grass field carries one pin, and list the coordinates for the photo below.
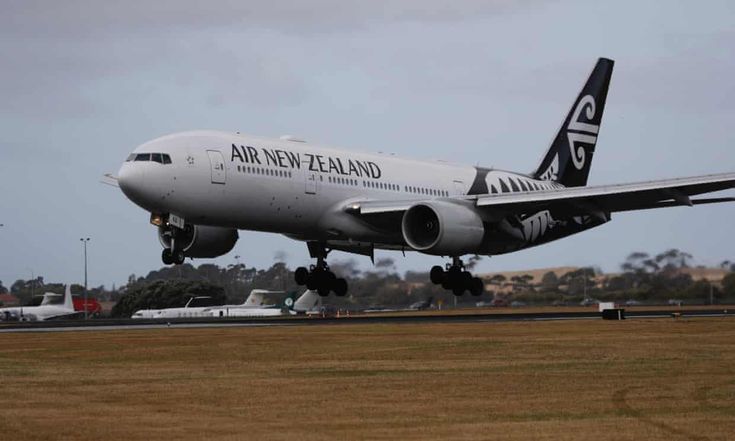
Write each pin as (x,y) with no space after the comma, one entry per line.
(562,380)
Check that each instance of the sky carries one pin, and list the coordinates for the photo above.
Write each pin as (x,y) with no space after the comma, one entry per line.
(83,82)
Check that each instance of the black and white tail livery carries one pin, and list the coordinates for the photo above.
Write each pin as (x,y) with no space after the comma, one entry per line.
(569,158)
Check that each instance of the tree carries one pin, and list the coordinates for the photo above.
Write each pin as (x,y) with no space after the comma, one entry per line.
(728,285)
(497,279)
(472,262)
(550,281)
(579,281)
(672,260)
(165,294)
(385,264)
(3,290)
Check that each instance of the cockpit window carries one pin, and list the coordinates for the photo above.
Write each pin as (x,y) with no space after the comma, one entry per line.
(161,158)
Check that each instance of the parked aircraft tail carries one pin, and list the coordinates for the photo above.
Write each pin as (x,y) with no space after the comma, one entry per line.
(68,301)
(569,157)
(288,302)
(307,301)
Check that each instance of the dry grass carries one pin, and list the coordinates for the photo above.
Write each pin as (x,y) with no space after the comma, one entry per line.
(638,379)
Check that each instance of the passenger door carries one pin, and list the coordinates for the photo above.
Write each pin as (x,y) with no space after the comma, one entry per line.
(217,163)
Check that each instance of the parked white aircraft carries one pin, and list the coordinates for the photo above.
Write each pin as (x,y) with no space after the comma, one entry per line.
(45,311)
(201,187)
(191,309)
(246,310)
(254,302)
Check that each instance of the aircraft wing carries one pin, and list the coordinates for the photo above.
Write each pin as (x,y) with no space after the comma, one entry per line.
(614,198)
(574,201)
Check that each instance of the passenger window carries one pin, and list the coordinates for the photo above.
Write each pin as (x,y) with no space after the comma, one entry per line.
(143,157)
(156,157)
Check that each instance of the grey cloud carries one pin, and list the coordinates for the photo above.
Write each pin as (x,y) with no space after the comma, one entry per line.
(89,17)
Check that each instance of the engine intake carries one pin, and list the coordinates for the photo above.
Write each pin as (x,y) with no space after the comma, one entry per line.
(443,228)
(200,241)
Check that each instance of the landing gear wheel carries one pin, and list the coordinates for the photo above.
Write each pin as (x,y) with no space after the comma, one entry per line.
(453,278)
(466,279)
(178,257)
(301,276)
(167,257)
(329,279)
(312,281)
(318,277)
(437,275)
(458,290)
(340,287)
(323,291)
(477,287)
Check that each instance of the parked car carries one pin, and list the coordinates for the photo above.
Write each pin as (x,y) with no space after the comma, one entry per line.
(589,302)
(632,302)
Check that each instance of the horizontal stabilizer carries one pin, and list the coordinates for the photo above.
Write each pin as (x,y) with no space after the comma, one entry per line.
(110,179)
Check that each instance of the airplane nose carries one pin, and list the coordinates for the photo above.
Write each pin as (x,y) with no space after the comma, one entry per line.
(131,180)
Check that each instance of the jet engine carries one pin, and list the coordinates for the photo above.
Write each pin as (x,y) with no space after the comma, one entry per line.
(199,240)
(443,228)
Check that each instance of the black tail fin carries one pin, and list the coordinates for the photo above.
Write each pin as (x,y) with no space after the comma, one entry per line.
(569,158)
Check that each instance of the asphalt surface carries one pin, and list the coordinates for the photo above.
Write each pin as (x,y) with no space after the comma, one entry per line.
(407,318)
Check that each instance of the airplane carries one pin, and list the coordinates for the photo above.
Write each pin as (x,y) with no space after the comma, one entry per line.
(193,308)
(250,311)
(254,302)
(201,187)
(45,311)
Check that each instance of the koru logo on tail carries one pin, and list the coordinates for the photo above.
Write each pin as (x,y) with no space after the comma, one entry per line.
(582,132)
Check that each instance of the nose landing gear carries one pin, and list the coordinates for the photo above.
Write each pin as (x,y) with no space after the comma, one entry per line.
(170,257)
(173,253)
(456,279)
(318,277)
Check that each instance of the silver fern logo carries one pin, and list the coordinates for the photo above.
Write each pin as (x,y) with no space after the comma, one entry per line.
(581,131)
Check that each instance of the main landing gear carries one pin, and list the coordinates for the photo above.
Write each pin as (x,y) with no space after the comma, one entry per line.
(318,277)
(456,279)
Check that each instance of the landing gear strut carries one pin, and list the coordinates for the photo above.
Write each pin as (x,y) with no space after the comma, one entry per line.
(171,254)
(318,277)
(456,279)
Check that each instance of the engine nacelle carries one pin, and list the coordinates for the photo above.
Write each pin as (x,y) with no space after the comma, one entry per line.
(443,228)
(200,241)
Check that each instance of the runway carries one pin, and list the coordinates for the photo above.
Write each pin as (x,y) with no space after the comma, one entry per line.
(405,318)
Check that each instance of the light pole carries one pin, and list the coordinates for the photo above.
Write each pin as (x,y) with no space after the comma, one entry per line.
(84,242)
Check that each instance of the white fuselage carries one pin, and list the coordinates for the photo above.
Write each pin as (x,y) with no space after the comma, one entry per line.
(294,188)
